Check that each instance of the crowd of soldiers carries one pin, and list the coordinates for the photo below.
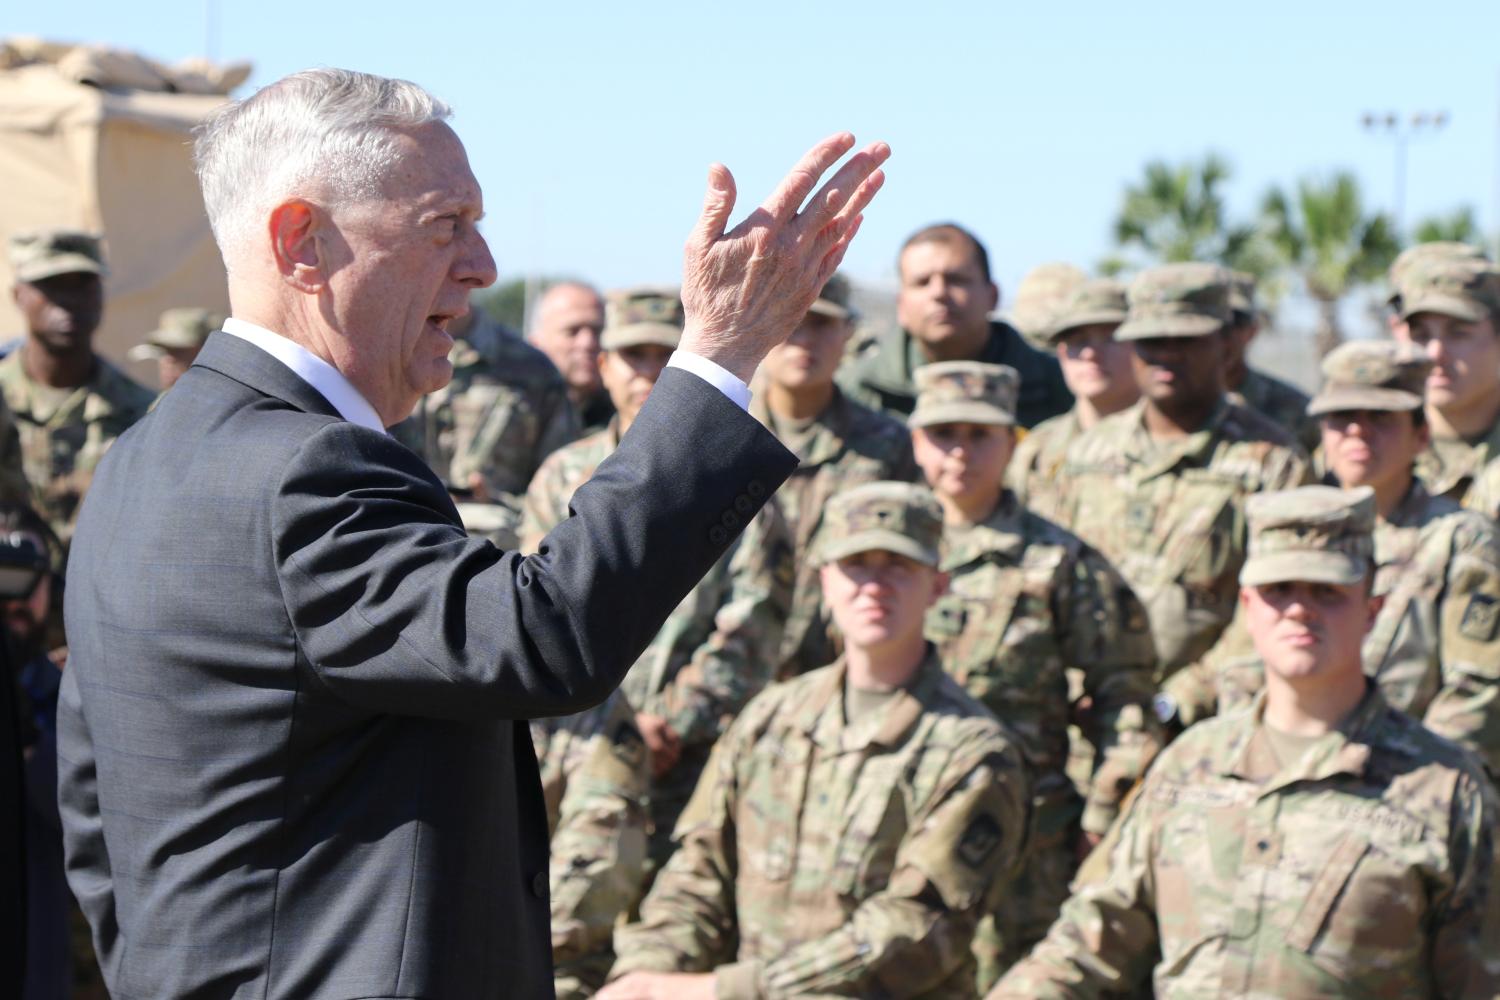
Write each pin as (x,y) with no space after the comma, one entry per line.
(1080,659)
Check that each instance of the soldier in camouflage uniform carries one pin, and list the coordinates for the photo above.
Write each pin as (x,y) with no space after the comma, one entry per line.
(1027,600)
(1319,844)
(854,822)
(1285,404)
(839,444)
(717,647)
(487,431)
(1040,296)
(69,404)
(1159,488)
(1406,261)
(1434,649)
(1097,370)
(176,341)
(595,778)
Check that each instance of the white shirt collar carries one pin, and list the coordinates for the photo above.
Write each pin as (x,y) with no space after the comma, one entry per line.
(313,370)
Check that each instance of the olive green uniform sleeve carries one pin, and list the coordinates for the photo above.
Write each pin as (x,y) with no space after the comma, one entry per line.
(1466,924)
(1466,708)
(13,485)
(545,505)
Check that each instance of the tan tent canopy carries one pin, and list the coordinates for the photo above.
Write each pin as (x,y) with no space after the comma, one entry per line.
(115,160)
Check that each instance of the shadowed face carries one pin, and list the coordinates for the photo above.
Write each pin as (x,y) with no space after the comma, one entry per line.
(63,311)
(811,354)
(879,598)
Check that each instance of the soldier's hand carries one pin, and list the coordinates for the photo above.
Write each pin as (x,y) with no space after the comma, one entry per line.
(745,290)
(664,744)
(661,986)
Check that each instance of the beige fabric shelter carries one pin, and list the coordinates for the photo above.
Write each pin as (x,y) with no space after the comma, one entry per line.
(119,162)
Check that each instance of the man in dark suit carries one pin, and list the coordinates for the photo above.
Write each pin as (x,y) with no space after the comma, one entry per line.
(291,757)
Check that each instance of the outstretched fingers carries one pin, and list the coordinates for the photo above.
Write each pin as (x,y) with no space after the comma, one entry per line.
(718,203)
(794,188)
(847,192)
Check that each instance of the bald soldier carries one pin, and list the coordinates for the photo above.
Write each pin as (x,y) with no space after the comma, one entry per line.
(1319,843)
(565,326)
(69,403)
(1434,649)
(854,822)
(1159,489)
(1027,601)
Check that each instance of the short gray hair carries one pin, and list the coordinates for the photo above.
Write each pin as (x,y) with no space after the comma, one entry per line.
(320,132)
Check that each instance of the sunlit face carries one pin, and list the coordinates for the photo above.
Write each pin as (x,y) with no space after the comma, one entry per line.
(963,461)
(400,267)
(1097,367)
(1179,371)
(1305,630)
(879,598)
(1465,360)
(630,373)
(1371,447)
(809,357)
(568,323)
(943,294)
(63,311)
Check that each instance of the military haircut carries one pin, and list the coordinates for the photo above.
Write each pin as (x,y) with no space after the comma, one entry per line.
(949,234)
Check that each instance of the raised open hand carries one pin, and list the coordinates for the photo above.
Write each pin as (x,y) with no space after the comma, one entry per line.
(744,291)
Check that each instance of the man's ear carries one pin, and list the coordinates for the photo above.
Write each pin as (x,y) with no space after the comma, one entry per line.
(939,585)
(295,230)
(1377,601)
(994,296)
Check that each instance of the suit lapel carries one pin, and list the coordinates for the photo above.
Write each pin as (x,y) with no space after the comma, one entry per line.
(236,358)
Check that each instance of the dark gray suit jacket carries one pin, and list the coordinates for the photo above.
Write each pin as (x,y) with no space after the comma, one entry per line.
(288,766)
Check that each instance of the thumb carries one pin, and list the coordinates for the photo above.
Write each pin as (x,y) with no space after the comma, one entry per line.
(718,202)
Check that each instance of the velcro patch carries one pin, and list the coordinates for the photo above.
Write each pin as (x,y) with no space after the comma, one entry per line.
(1481,618)
(979,841)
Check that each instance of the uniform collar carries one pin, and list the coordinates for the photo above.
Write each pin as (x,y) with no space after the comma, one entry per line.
(1343,750)
(832,428)
(1002,533)
(822,715)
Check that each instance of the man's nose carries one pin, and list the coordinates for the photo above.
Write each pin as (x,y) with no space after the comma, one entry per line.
(475,267)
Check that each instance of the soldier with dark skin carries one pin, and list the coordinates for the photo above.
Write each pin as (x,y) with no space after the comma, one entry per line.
(943,310)
(854,822)
(69,403)
(1319,843)
(1285,404)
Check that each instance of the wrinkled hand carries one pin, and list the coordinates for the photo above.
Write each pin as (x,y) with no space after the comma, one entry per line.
(744,291)
(661,986)
(664,744)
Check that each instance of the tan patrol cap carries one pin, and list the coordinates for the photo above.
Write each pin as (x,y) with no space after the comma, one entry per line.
(1371,375)
(178,329)
(951,392)
(635,316)
(46,253)
(1424,253)
(1463,288)
(1040,295)
(1317,534)
(1177,300)
(1095,301)
(892,517)
(833,300)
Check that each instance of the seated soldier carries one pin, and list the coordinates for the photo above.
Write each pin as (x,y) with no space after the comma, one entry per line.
(1026,601)
(1434,650)
(854,822)
(1318,844)
(595,777)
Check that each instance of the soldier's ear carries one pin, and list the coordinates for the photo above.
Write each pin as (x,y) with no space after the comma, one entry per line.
(939,585)
(294,230)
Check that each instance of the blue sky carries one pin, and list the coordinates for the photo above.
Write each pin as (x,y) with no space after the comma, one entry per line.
(590,125)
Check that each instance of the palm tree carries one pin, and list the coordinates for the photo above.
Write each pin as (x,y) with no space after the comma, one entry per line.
(1326,237)
(1458,226)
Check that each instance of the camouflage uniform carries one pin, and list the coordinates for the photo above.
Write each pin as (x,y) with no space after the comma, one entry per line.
(1169,514)
(505,410)
(832,858)
(1285,404)
(1357,863)
(594,782)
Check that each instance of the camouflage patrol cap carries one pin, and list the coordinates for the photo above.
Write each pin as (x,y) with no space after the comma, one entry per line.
(893,517)
(833,300)
(951,392)
(1425,253)
(1371,375)
(1463,288)
(635,316)
(1097,300)
(1242,292)
(1040,295)
(46,253)
(178,329)
(1318,534)
(1177,300)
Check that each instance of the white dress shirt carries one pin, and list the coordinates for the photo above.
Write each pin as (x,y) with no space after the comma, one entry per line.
(353,407)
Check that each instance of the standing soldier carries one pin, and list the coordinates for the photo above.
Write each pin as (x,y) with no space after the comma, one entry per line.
(1097,370)
(839,444)
(716,649)
(487,431)
(1286,405)
(1409,259)
(943,308)
(69,403)
(1026,600)
(854,822)
(595,778)
(1319,844)
(176,341)
(1160,488)
(1040,296)
(565,326)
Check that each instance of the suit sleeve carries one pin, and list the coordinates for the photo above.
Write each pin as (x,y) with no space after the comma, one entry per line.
(90,873)
(395,609)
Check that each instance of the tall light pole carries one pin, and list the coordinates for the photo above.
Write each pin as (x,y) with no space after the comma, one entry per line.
(1401,131)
